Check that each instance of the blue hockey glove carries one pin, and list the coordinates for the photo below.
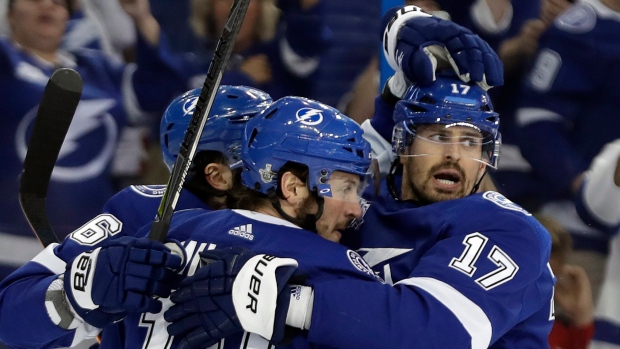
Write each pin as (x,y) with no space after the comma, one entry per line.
(419,44)
(235,290)
(120,277)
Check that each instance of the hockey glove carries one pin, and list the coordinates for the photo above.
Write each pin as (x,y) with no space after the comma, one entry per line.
(418,43)
(236,290)
(120,277)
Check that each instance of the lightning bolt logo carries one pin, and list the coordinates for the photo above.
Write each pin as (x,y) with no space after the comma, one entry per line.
(189,106)
(90,116)
(309,116)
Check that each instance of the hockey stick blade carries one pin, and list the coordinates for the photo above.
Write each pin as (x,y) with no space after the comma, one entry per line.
(224,47)
(58,104)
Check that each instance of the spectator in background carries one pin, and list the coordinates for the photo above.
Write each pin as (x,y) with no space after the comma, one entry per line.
(278,57)
(514,176)
(114,95)
(574,309)
(567,112)
(597,205)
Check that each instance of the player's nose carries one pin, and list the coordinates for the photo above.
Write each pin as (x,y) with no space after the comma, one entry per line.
(353,209)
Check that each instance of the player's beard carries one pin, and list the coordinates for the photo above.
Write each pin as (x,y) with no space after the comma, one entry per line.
(425,193)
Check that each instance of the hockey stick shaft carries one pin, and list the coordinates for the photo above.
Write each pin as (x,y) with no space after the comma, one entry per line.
(58,104)
(224,47)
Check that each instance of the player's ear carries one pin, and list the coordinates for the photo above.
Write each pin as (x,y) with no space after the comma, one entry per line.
(292,188)
(219,176)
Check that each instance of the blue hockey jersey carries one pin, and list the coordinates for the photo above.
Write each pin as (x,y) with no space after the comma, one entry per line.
(113,96)
(199,230)
(467,273)
(21,292)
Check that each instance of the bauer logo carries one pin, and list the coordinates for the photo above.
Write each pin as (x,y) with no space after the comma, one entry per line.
(501,201)
(309,116)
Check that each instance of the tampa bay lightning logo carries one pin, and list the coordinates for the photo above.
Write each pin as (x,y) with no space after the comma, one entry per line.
(501,201)
(360,264)
(88,146)
(309,116)
(153,191)
(190,106)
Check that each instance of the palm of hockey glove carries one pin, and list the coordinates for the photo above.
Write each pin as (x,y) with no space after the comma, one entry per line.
(409,45)
(208,304)
(121,276)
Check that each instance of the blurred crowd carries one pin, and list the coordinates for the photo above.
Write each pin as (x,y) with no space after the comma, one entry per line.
(557,107)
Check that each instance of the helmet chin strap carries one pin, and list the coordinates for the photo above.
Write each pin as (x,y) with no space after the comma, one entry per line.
(308,222)
(477,185)
(389,179)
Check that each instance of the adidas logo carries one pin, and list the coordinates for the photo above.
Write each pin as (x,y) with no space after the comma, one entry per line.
(244,231)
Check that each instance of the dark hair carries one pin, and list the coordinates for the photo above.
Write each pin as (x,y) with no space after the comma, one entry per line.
(197,183)
(248,199)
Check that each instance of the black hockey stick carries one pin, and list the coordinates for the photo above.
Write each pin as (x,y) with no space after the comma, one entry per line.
(224,47)
(58,104)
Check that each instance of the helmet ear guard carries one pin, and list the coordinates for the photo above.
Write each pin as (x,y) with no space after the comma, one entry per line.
(451,103)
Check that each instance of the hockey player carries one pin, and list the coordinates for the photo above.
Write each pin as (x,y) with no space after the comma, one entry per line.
(472,265)
(304,166)
(212,173)
(428,243)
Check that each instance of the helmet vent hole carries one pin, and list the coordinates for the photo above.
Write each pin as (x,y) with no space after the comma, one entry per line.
(166,141)
(232,96)
(252,137)
(239,119)
(417,109)
(360,153)
(170,126)
(428,100)
(348,149)
(271,113)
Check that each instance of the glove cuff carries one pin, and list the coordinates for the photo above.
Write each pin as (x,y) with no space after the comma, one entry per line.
(79,281)
(397,85)
(256,294)
(299,313)
(391,32)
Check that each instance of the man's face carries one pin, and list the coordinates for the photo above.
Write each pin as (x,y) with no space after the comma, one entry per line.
(442,163)
(38,23)
(340,208)
(247,33)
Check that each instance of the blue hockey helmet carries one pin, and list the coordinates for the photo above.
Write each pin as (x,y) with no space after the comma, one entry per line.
(303,131)
(452,103)
(232,107)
